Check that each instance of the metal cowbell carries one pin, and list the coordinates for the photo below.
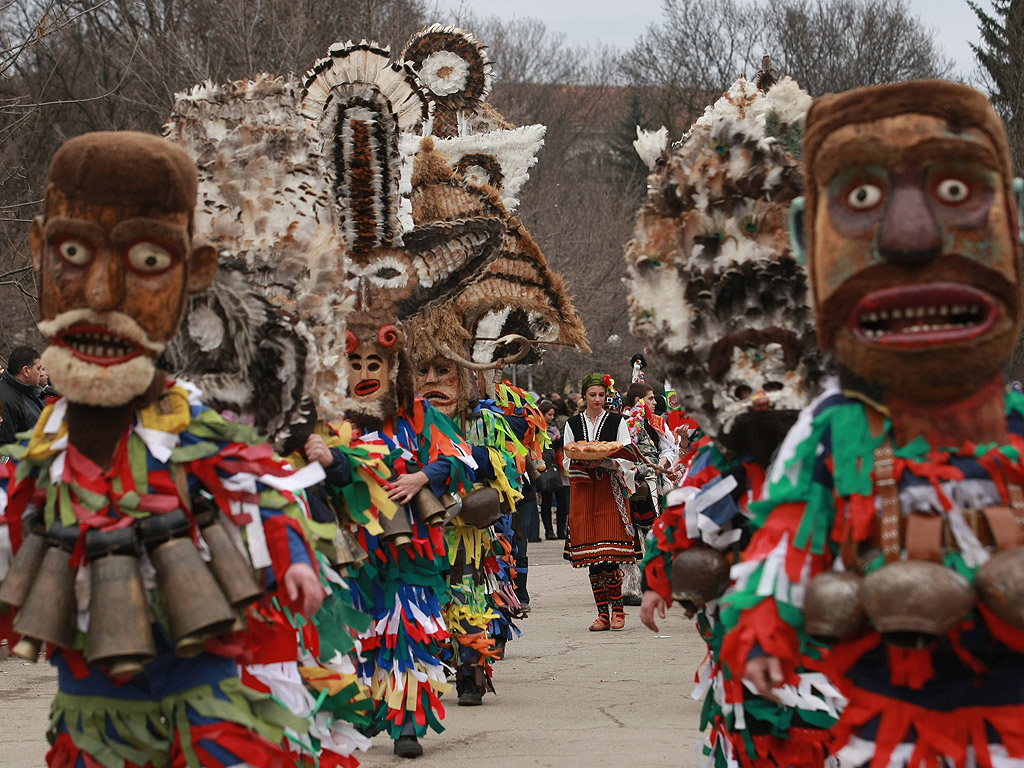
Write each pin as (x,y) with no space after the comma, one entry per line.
(429,508)
(481,507)
(832,607)
(699,574)
(1000,585)
(120,625)
(397,529)
(196,606)
(230,567)
(19,578)
(914,602)
(48,613)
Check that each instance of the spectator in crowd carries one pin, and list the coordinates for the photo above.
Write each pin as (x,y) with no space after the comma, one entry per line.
(19,393)
(560,493)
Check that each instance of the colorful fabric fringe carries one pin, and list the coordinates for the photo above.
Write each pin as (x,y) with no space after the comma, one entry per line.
(175,450)
(402,589)
(958,702)
(710,508)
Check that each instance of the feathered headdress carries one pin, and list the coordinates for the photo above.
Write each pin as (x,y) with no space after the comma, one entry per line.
(456,70)
(270,331)
(517,293)
(714,288)
(359,102)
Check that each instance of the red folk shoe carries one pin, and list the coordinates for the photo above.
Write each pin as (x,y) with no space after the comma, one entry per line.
(600,624)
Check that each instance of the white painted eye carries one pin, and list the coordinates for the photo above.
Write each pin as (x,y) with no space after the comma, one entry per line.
(74,251)
(149,258)
(953,191)
(864,197)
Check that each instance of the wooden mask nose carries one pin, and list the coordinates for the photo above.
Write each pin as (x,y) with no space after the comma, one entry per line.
(908,233)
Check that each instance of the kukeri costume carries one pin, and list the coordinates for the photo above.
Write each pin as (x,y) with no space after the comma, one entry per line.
(261,342)
(137,513)
(399,264)
(517,292)
(716,290)
(891,529)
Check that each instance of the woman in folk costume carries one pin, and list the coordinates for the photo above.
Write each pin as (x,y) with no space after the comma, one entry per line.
(601,536)
(892,525)
(263,344)
(739,340)
(359,104)
(134,494)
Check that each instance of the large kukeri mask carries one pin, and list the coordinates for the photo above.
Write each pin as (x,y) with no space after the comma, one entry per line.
(516,294)
(116,260)
(912,229)
(359,103)
(714,288)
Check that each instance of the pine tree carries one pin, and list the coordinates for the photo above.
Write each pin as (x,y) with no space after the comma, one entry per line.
(1001,56)
(624,157)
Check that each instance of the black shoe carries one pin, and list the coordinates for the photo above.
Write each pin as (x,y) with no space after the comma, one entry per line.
(408,746)
(471,698)
(550,537)
(632,600)
(534,541)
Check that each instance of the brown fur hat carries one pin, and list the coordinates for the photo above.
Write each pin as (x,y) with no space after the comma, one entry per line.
(124,168)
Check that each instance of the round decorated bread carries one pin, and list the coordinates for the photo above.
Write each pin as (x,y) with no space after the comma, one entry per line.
(592,450)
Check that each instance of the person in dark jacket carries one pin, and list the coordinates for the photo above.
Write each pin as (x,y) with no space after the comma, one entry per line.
(18,387)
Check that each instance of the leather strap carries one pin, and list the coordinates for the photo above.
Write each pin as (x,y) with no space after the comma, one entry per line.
(1016,494)
(1004,527)
(924,537)
(885,482)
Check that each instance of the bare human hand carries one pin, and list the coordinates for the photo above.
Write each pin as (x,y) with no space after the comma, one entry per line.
(316,450)
(650,603)
(303,588)
(765,672)
(404,487)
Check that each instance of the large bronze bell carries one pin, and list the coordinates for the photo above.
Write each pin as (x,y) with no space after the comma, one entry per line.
(1000,585)
(26,563)
(832,607)
(48,613)
(229,566)
(398,529)
(120,632)
(699,574)
(481,507)
(195,605)
(429,508)
(914,602)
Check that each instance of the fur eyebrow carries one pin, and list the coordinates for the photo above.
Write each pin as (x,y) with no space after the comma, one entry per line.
(60,225)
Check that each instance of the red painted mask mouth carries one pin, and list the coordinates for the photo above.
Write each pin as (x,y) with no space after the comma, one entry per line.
(366,387)
(923,315)
(98,345)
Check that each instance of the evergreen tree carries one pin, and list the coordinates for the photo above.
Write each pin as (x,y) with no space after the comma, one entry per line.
(1001,56)
(624,157)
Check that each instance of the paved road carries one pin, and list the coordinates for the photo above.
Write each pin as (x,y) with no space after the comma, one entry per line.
(566,696)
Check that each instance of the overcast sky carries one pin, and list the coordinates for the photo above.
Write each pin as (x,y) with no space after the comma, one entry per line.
(618,22)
